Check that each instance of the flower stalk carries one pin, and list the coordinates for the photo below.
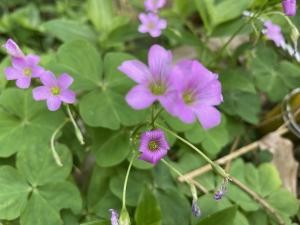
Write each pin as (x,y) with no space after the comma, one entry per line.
(76,128)
(219,170)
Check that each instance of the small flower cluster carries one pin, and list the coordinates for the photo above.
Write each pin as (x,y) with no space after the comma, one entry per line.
(25,67)
(273,32)
(289,7)
(187,90)
(150,21)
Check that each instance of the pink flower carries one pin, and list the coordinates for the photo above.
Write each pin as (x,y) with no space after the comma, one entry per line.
(154,146)
(289,7)
(13,49)
(199,92)
(151,24)
(55,90)
(273,32)
(154,83)
(154,5)
(23,69)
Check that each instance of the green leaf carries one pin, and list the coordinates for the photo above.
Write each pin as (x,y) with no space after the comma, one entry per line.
(14,192)
(269,179)
(24,121)
(226,216)
(136,182)
(69,30)
(107,107)
(100,13)
(42,168)
(147,211)
(39,212)
(82,60)
(272,77)
(111,147)
(284,202)
(175,208)
(214,139)
(214,13)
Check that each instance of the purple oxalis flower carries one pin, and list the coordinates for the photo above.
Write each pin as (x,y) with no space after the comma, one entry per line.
(273,32)
(199,91)
(23,69)
(114,217)
(151,24)
(13,49)
(154,146)
(154,83)
(55,90)
(289,7)
(154,5)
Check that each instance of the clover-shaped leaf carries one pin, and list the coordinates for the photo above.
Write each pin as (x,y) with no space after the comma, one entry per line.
(38,190)
(104,105)
(24,121)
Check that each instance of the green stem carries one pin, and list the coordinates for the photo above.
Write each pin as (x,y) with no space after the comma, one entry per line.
(215,166)
(52,143)
(126,181)
(77,130)
(172,167)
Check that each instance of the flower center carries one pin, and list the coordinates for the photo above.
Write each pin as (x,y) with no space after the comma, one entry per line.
(188,98)
(157,89)
(151,25)
(153,146)
(55,90)
(27,72)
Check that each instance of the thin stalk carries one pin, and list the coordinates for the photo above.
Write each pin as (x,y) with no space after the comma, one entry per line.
(52,143)
(190,182)
(259,200)
(126,181)
(77,130)
(216,167)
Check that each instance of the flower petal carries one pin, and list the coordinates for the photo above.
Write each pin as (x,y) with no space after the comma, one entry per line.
(135,70)
(208,116)
(185,113)
(153,157)
(13,49)
(41,93)
(211,94)
(53,103)
(32,60)
(37,71)
(160,62)
(23,82)
(48,79)
(143,28)
(12,73)
(155,32)
(168,101)
(139,97)
(19,63)
(64,81)
(67,96)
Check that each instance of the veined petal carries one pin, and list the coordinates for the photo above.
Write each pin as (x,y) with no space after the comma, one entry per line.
(135,70)
(32,60)
(53,103)
(160,61)
(19,63)
(185,113)
(37,71)
(168,101)
(12,73)
(41,93)
(23,82)
(13,49)
(64,81)
(139,97)
(208,116)
(48,79)
(211,94)
(155,32)
(67,96)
